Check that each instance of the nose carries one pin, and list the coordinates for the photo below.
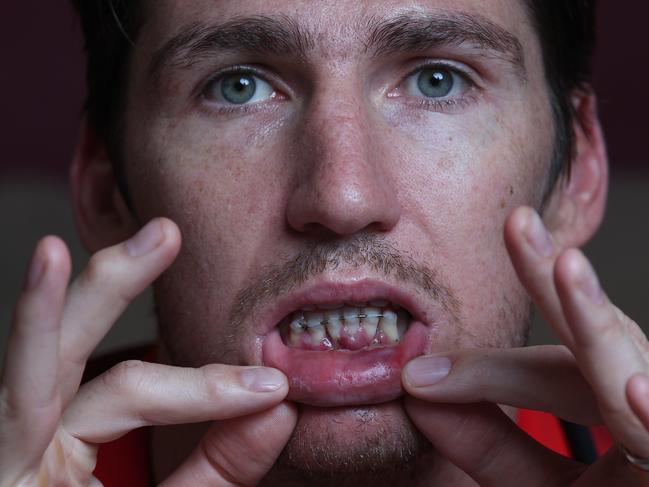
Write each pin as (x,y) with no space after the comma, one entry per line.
(343,182)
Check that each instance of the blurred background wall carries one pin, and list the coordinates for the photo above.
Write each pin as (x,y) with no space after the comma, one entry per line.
(41,96)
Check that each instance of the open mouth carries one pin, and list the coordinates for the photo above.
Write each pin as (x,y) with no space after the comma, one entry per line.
(345,345)
(346,326)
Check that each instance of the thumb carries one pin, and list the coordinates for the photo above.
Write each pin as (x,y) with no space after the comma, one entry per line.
(239,451)
(484,443)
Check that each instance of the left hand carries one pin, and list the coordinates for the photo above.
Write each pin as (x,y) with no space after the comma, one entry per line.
(600,376)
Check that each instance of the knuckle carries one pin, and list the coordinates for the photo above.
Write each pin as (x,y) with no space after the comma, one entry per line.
(216,380)
(609,331)
(100,269)
(220,461)
(105,272)
(125,377)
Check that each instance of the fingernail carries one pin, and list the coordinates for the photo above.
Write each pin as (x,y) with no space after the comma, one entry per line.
(144,241)
(589,284)
(426,371)
(261,379)
(35,271)
(538,236)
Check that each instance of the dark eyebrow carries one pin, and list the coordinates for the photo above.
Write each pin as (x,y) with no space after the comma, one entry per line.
(418,32)
(279,35)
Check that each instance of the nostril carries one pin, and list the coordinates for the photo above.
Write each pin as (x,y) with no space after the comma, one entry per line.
(343,201)
(331,224)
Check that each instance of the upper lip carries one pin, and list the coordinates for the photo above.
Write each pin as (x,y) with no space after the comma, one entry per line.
(340,291)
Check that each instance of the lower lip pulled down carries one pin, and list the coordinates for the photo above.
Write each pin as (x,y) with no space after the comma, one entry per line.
(344,377)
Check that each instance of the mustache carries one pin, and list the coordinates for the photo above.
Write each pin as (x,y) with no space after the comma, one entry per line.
(369,251)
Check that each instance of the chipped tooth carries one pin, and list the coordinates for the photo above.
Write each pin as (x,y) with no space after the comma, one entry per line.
(389,326)
(379,303)
(370,321)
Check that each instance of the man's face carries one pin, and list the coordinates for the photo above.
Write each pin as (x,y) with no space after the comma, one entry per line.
(349,163)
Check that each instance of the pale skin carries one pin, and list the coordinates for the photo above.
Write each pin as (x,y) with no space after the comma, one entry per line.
(328,163)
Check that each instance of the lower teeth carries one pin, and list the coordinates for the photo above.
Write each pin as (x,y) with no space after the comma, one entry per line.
(350,328)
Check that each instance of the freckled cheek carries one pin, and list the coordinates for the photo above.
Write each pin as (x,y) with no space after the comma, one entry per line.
(223,201)
(461,184)
(199,170)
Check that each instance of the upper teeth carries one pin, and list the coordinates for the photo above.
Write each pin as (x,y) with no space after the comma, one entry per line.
(378,319)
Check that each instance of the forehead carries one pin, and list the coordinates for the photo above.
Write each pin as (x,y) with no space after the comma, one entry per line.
(336,27)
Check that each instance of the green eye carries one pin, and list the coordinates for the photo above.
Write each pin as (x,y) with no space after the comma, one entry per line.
(435,82)
(238,88)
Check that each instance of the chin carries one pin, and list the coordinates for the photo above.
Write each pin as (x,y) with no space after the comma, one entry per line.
(353,445)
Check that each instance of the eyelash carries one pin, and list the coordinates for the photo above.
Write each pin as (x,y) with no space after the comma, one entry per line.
(236,109)
(443,105)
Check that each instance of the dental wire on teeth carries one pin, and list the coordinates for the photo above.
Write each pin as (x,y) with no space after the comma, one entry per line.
(303,322)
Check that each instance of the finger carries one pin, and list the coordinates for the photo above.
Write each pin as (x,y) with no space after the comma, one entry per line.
(483,442)
(240,451)
(531,378)
(29,402)
(612,469)
(533,252)
(134,394)
(637,393)
(112,279)
(604,348)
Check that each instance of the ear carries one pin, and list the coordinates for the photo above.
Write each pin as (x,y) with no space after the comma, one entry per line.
(102,216)
(577,204)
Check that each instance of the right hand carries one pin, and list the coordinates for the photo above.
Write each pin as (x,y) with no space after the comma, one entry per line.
(50,428)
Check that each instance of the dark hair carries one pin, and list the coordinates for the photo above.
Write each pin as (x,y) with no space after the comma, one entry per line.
(566,29)
(110,28)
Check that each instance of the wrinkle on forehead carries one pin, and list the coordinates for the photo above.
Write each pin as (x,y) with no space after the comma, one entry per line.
(280,34)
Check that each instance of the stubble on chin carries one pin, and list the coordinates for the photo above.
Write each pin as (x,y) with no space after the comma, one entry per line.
(372,445)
